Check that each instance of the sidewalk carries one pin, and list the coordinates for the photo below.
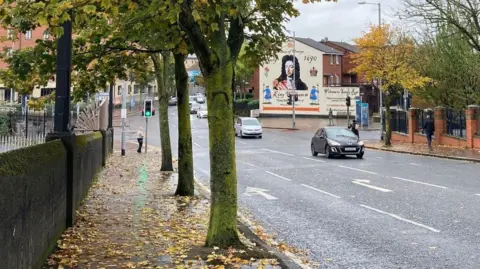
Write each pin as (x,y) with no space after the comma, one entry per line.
(131,219)
(311,124)
(422,149)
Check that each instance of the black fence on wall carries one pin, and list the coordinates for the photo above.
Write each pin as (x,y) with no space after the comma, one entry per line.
(422,117)
(456,122)
(398,121)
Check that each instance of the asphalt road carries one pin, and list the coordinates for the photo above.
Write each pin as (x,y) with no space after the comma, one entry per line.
(386,211)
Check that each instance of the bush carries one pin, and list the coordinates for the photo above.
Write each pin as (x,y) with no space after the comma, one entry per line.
(254,104)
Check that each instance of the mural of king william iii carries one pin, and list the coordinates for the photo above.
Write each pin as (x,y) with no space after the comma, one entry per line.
(285,81)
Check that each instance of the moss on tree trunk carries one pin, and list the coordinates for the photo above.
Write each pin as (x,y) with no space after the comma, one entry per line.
(167,164)
(185,185)
(388,128)
(222,230)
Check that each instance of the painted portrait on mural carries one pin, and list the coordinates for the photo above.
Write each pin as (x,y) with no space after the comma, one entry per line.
(288,76)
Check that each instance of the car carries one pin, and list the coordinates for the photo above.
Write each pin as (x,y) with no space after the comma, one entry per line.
(194,107)
(336,141)
(172,101)
(248,127)
(202,112)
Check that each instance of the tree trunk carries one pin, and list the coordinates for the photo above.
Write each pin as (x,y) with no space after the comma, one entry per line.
(185,185)
(222,230)
(388,128)
(167,164)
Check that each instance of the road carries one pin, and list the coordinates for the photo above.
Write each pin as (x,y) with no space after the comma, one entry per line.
(386,211)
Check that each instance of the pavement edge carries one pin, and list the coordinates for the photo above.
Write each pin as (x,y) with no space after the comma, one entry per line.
(425,154)
(287,259)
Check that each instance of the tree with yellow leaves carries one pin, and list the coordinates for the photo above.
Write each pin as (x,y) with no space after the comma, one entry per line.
(387,54)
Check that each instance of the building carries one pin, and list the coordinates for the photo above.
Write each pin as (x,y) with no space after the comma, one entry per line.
(317,79)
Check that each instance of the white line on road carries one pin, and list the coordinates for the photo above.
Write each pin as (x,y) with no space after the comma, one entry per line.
(402,219)
(196,144)
(312,159)
(416,164)
(379,158)
(279,152)
(356,169)
(243,143)
(423,183)
(273,174)
(366,183)
(174,126)
(478,194)
(252,165)
(324,192)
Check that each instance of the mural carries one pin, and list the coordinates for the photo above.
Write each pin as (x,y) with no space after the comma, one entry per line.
(300,77)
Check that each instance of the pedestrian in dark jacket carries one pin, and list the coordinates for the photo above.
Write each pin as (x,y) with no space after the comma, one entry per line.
(354,129)
(429,129)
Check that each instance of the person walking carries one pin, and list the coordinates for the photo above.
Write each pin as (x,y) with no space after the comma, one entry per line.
(429,129)
(353,128)
(140,139)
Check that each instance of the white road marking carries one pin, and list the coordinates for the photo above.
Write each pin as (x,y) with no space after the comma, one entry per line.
(279,152)
(312,159)
(243,143)
(365,183)
(201,137)
(174,126)
(203,171)
(478,194)
(252,165)
(324,192)
(196,144)
(423,183)
(356,169)
(261,192)
(273,174)
(379,158)
(416,164)
(402,219)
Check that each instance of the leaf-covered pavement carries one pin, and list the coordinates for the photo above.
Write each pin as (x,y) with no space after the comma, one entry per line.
(131,219)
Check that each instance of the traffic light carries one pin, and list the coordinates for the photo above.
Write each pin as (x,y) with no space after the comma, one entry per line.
(348,100)
(148,108)
(296,97)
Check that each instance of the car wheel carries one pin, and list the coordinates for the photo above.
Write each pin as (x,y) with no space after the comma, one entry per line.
(260,136)
(328,153)
(314,153)
(360,156)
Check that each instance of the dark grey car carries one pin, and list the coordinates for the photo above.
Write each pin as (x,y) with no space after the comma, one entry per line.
(336,141)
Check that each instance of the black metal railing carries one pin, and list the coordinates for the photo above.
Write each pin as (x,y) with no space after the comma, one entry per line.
(422,117)
(398,121)
(456,122)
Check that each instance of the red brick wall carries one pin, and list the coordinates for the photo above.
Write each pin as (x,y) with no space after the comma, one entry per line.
(347,63)
(333,69)
(21,41)
(399,137)
(255,83)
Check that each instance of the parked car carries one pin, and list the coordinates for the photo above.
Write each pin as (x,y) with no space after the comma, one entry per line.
(246,126)
(172,101)
(202,112)
(336,141)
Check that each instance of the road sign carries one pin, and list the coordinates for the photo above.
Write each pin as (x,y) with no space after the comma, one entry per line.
(364,114)
(365,183)
(358,111)
(124,113)
(261,192)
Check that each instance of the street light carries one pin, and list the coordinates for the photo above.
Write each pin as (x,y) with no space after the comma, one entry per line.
(293,81)
(379,85)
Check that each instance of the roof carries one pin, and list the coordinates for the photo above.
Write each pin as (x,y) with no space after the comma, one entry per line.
(319,46)
(346,46)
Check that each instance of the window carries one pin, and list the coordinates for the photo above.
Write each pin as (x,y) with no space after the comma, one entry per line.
(10,52)
(46,91)
(330,80)
(136,89)
(119,90)
(129,89)
(331,59)
(9,34)
(46,35)
(354,78)
(28,34)
(338,59)
(337,79)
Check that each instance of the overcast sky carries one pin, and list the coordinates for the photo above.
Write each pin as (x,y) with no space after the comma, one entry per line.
(342,20)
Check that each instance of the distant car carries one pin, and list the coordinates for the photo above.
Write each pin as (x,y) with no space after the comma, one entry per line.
(194,107)
(248,127)
(200,99)
(172,101)
(336,141)
(202,112)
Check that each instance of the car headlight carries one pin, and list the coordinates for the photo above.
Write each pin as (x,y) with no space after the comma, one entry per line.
(333,143)
(360,143)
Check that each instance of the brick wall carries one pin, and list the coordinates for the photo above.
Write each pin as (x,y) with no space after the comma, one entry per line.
(331,69)
(21,41)
(471,139)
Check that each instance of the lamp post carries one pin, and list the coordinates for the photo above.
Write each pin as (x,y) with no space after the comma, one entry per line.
(292,96)
(379,85)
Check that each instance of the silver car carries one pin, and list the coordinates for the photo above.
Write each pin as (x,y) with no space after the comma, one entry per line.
(248,127)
